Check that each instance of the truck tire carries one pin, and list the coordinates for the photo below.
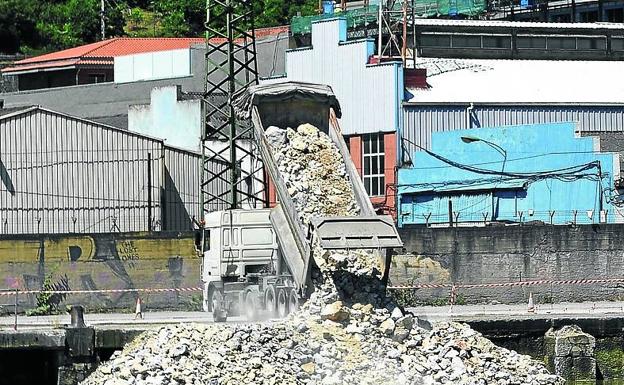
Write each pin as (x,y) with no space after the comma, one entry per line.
(282,303)
(270,300)
(251,306)
(219,314)
(293,301)
(208,302)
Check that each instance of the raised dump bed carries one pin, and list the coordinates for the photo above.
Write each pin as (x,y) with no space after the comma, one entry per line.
(290,105)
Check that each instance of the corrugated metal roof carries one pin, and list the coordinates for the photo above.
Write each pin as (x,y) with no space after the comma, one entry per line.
(14,110)
(520,81)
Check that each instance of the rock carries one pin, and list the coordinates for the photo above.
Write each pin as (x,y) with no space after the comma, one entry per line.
(387,327)
(275,136)
(308,130)
(334,312)
(309,368)
(326,341)
(396,314)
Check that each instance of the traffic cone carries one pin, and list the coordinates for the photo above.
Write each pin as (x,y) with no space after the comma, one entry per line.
(531,306)
(138,311)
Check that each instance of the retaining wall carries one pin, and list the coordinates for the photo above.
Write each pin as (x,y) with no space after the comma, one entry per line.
(101,262)
(494,254)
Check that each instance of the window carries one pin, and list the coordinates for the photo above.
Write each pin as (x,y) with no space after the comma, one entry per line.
(615,15)
(373,162)
(466,41)
(496,42)
(589,17)
(428,40)
(617,44)
(591,43)
(561,43)
(531,42)
(97,78)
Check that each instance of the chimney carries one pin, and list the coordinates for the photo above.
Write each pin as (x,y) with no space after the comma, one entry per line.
(415,78)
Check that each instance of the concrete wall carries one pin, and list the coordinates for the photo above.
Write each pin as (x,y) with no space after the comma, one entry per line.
(153,65)
(510,254)
(102,261)
(168,117)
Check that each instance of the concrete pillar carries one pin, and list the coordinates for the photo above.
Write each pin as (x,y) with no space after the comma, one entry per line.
(570,353)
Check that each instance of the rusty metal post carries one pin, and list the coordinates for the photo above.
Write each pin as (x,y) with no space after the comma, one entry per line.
(15,310)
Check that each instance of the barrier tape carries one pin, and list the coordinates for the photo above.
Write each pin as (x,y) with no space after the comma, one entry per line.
(453,287)
(180,289)
(510,284)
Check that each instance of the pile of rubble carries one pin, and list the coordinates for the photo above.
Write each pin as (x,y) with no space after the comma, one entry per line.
(348,332)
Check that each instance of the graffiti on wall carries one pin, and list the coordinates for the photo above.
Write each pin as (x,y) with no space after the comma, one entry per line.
(101,262)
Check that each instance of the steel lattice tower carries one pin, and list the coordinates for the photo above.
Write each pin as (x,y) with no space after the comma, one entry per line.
(233,175)
(395,17)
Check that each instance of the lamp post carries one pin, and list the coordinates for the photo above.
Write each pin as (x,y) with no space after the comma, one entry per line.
(500,150)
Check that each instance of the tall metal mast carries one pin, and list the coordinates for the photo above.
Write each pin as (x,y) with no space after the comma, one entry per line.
(232,175)
(395,16)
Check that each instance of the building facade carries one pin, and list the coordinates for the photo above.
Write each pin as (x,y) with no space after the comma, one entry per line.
(512,174)
(370,96)
(62,174)
(95,63)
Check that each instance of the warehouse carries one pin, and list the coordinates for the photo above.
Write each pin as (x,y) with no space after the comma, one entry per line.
(472,93)
(62,174)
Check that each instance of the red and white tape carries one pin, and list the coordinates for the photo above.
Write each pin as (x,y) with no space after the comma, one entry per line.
(152,290)
(511,284)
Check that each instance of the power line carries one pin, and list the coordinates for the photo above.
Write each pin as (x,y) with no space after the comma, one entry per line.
(510,160)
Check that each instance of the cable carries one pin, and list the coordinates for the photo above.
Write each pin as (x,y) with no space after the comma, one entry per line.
(562,172)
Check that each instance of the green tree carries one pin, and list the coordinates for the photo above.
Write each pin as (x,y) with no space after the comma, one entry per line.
(18,24)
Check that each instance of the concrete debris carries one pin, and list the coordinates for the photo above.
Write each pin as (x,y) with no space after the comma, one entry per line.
(348,331)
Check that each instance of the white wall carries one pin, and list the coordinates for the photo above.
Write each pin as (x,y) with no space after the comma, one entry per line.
(153,65)
(370,95)
(178,122)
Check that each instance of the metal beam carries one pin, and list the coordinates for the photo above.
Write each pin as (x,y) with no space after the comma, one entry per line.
(230,157)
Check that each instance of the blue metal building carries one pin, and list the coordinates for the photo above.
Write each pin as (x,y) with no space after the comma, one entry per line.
(541,172)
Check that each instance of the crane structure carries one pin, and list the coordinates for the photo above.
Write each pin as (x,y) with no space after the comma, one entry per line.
(232,173)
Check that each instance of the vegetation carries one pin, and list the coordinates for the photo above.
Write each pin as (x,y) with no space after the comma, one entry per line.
(36,26)
(48,303)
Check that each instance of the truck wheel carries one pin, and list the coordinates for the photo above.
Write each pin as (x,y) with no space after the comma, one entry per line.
(251,306)
(219,313)
(270,300)
(293,301)
(208,302)
(216,298)
(282,304)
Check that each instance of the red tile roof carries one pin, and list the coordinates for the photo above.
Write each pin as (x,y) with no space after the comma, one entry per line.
(103,52)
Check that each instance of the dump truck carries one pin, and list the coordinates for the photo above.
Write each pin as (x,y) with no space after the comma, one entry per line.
(258,261)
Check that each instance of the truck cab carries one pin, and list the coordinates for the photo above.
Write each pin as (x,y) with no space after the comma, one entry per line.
(238,247)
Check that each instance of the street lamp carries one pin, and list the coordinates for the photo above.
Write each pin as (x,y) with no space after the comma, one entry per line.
(500,150)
